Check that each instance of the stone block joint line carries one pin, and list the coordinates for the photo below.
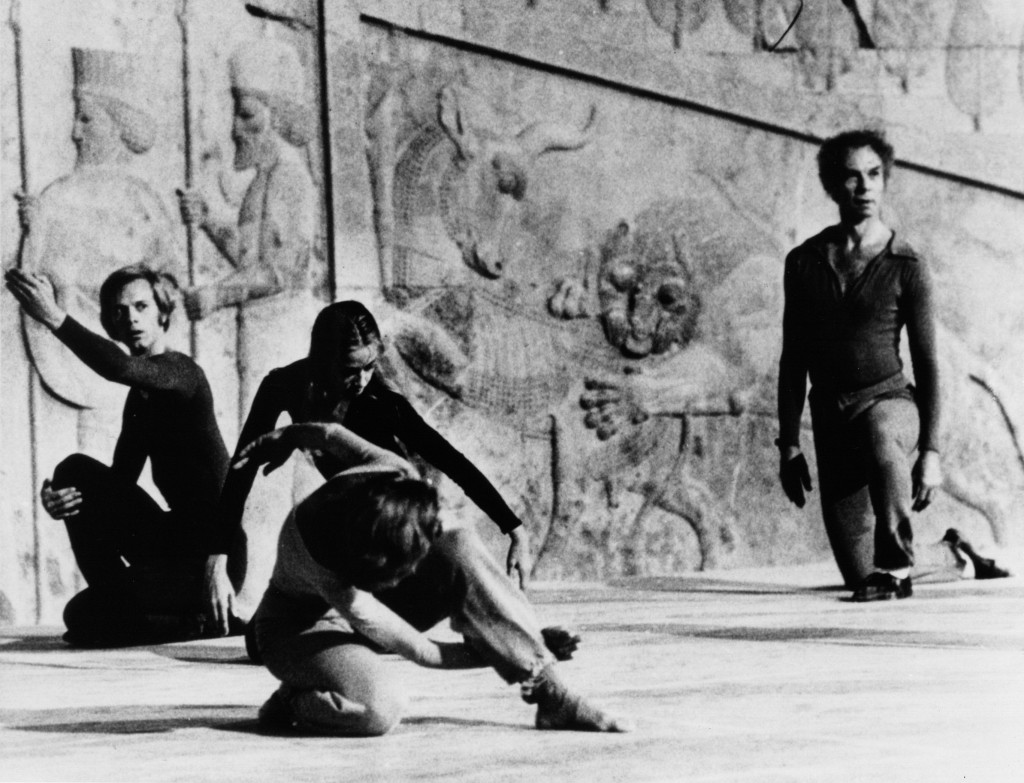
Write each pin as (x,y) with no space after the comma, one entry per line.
(647,93)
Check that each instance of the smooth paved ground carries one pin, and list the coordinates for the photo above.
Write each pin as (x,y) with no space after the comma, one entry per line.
(737,676)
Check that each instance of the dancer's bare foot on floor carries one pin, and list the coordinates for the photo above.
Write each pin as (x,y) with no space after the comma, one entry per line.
(558,708)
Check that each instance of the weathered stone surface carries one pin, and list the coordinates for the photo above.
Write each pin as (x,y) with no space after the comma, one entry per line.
(502,219)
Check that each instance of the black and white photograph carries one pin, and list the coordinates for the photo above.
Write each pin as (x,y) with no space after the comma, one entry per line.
(512,390)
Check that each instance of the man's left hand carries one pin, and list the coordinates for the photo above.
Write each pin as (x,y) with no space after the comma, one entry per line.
(518,559)
(927,478)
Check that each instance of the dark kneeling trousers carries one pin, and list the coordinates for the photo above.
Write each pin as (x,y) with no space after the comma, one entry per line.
(142,564)
(865,484)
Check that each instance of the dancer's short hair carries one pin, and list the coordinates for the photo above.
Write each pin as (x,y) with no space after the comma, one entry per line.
(832,154)
(374,527)
(165,293)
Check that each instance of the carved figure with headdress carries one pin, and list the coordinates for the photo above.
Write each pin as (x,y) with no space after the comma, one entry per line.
(99,217)
(270,240)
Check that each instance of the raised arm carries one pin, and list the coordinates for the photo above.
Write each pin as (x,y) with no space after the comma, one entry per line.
(35,294)
(423,439)
(274,448)
(380,624)
(270,401)
(103,356)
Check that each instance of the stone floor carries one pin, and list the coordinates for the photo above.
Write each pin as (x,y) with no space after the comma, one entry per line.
(740,676)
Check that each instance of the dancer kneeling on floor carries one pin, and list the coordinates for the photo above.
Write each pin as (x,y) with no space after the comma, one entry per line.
(363,566)
(144,565)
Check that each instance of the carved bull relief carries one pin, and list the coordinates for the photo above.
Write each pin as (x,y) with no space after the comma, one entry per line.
(460,188)
(499,353)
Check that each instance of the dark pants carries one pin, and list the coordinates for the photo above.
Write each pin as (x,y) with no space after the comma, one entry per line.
(865,484)
(142,564)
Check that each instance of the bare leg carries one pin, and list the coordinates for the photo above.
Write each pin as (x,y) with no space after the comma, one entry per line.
(498,621)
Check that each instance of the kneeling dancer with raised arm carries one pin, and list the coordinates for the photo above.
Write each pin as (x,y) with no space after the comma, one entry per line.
(144,565)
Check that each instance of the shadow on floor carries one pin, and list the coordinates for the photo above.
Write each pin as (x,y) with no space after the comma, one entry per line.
(709,584)
(130,719)
(426,720)
(194,652)
(35,643)
(187,652)
(828,635)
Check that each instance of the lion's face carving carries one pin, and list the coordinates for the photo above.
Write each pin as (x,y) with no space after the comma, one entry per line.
(648,301)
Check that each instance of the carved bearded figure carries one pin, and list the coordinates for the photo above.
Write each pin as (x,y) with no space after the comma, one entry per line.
(270,240)
(99,217)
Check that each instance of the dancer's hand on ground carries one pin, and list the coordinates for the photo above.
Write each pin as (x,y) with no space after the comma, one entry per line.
(795,477)
(518,562)
(927,478)
(60,503)
(219,593)
(36,296)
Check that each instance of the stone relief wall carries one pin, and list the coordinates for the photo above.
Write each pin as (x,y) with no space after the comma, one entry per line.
(113,145)
(648,452)
(569,216)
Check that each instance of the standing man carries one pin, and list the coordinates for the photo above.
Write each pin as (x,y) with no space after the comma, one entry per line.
(143,565)
(849,292)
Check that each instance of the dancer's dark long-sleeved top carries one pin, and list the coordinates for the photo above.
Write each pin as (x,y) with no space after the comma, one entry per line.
(380,414)
(169,419)
(849,342)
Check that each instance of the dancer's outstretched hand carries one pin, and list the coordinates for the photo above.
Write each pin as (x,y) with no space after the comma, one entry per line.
(926,478)
(518,562)
(219,593)
(271,450)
